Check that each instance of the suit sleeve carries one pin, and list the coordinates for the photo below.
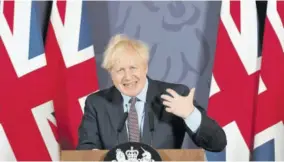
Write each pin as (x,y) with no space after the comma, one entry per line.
(88,131)
(193,121)
(209,135)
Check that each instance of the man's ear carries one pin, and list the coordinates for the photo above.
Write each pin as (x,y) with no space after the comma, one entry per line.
(146,67)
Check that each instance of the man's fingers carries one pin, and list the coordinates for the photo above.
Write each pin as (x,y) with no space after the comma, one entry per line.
(167,103)
(170,110)
(192,92)
(172,92)
(167,97)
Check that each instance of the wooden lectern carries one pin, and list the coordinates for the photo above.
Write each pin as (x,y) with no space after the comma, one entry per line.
(166,155)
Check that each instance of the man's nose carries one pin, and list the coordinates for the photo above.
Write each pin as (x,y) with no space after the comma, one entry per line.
(128,75)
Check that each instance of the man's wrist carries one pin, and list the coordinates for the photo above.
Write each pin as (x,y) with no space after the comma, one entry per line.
(193,121)
(188,113)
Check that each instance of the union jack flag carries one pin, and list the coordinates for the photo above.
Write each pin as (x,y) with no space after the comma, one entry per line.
(269,114)
(69,46)
(237,99)
(35,80)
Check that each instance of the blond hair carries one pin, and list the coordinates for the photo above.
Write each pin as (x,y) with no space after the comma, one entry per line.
(122,42)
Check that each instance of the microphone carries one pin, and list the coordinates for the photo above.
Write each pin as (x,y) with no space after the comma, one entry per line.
(151,125)
(120,126)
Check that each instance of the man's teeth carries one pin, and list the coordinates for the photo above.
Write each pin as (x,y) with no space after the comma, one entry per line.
(129,85)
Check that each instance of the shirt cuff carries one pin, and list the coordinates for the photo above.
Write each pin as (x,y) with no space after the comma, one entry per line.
(193,121)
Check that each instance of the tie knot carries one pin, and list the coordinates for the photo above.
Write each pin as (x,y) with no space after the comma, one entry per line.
(133,100)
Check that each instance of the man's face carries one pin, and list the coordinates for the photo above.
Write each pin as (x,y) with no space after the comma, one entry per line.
(129,73)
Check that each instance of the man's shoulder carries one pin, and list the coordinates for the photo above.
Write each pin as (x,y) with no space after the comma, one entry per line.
(103,93)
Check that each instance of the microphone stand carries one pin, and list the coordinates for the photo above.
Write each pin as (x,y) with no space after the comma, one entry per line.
(151,143)
(117,138)
(120,126)
(151,125)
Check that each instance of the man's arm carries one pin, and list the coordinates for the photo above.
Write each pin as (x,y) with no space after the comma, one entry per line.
(193,121)
(88,130)
(204,131)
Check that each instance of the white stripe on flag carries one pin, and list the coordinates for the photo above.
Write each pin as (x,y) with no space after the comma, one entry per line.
(6,152)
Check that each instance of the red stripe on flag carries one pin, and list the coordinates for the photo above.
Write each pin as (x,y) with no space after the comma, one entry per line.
(54,130)
(235,9)
(61,9)
(280,8)
(9,13)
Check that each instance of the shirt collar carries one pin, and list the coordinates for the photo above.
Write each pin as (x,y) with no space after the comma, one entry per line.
(141,96)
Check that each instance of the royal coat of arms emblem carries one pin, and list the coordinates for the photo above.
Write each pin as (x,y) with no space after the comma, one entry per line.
(132,156)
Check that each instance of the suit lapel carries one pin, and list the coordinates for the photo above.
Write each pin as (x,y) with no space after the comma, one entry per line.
(151,105)
(115,112)
(146,138)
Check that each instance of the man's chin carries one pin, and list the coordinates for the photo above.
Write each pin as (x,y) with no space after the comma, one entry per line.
(131,93)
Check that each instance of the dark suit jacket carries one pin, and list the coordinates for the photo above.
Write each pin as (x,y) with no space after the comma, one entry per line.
(104,111)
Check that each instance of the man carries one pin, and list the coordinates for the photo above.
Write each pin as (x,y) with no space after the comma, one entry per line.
(134,92)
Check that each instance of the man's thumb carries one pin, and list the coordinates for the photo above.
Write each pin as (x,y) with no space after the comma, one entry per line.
(192,92)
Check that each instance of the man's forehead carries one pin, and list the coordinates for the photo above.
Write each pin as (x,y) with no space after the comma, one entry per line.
(124,62)
(127,59)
